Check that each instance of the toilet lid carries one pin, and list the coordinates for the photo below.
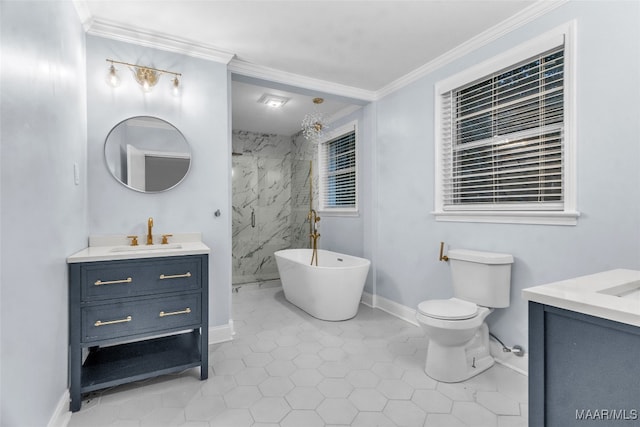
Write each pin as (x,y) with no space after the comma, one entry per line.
(448,309)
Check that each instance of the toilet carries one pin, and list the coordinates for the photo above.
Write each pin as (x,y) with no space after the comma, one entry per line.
(458,335)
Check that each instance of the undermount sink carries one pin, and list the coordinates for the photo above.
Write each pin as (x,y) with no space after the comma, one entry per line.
(143,248)
(629,290)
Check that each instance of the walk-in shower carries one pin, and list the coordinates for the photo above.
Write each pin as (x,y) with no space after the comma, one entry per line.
(271,202)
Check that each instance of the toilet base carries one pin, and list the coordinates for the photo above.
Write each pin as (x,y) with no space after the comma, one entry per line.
(452,364)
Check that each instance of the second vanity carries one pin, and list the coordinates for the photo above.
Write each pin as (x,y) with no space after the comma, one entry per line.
(136,311)
(584,351)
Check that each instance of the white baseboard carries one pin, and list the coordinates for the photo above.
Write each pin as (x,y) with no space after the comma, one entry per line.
(61,416)
(367,299)
(509,360)
(221,333)
(518,364)
(393,308)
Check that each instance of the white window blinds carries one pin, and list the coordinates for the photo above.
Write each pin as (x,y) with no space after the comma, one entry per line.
(337,170)
(502,138)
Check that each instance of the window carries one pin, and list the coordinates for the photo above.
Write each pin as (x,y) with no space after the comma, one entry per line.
(504,144)
(338,175)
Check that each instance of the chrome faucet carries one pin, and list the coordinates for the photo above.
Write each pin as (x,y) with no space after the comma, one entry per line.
(149,231)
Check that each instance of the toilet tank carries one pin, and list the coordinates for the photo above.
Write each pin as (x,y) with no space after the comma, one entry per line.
(481,277)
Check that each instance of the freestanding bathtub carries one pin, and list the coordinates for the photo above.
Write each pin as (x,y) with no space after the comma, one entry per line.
(329,291)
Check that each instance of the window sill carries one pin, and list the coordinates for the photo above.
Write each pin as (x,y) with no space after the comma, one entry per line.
(506,217)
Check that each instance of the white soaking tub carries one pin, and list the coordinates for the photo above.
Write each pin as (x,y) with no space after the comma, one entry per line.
(329,291)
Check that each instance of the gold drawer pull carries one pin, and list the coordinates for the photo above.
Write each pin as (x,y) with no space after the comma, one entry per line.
(175,276)
(112,322)
(113,282)
(173,313)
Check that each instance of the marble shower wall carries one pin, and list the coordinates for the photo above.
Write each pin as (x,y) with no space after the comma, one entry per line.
(261,204)
(270,201)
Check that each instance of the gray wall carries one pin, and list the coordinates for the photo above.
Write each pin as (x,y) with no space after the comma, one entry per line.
(43,133)
(201,114)
(608,232)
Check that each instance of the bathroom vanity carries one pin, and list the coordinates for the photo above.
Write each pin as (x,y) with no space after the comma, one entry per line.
(584,351)
(136,312)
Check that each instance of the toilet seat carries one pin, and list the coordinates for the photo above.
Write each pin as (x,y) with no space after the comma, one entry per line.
(448,309)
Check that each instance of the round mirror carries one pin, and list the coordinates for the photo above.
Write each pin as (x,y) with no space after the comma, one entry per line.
(147,154)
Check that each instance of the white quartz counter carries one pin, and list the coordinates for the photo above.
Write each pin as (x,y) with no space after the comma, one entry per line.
(110,248)
(613,295)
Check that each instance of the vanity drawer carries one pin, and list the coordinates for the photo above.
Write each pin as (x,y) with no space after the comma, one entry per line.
(122,319)
(104,280)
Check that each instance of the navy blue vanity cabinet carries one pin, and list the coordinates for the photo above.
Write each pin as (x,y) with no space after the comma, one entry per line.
(135,319)
(583,370)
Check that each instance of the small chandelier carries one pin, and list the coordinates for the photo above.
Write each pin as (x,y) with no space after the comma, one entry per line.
(313,124)
(147,77)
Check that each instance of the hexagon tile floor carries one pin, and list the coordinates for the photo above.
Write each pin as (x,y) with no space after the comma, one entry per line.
(285,368)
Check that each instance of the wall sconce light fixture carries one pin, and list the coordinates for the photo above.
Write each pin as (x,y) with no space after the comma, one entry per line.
(147,77)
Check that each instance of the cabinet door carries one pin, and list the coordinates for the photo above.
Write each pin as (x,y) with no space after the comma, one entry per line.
(584,370)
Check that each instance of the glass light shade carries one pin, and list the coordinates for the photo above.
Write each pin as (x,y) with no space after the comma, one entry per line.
(313,126)
(112,77)
(273,101)
(146,86)
(175,86)
(146,77)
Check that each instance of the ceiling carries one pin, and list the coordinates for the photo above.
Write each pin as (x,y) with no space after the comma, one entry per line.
(250,115)
(358,45)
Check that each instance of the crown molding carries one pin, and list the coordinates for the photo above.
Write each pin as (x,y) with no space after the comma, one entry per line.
(141,37)
(518,20)
(156,40)
(283,77)
(186,47)
(83,13)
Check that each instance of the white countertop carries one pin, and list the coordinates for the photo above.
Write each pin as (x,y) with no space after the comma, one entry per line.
(595,295)
(110,248)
